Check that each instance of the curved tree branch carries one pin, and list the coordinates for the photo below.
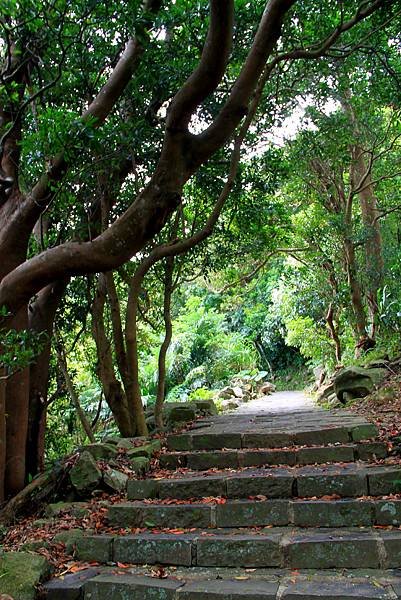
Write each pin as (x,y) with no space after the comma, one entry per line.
(98,111)
(210,70)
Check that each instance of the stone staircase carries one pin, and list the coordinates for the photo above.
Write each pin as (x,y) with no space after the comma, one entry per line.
(292,506)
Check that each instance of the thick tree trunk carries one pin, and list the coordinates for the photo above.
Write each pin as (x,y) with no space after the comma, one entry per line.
(17,409)
(42,313)
(168,326)
(2,433)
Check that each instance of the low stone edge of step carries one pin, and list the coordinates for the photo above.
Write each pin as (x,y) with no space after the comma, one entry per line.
(92,586)
(303,482)
(203,440)
(250,457)
(348,512)
(273,547)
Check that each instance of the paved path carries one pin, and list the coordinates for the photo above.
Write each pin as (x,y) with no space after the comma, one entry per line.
(278,402)
(279,500)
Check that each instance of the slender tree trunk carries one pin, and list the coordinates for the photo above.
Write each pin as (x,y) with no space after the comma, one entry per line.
(355,289)
(161,380)
(62,361)
(129,376)
(362,184)
(334,334)
(42,313)
(113,391)
(131,343)
(373,240)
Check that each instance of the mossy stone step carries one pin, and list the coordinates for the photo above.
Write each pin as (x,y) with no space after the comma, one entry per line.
(352,548)
(350,480)
(348,512)
(218,438)
(225,584)
(232,459)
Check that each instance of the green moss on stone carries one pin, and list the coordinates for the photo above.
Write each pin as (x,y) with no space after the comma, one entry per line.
(21,573)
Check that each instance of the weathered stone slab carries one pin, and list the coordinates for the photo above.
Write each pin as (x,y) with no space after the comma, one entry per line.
(159,515)
(334,590)
(85,475)
(179,442)
(228,590)
(245,513)
(116,480)
(392,546)
(315,482)
(129,443)
(153,549)
(388,512)
(70,587)
(101,451)
(277,485)
(130,587)
(267,440)
(180,413)
(371,450)
(94,548)
(76,509)
(140,465)
(259,458)
(321,436)
(384,480)
(323,454)
(339,513)
(69,538)
(209,460)
(194,487)
(330,551)
(172,461)
(364,432)
(238,551)
(138,489)
(215,441)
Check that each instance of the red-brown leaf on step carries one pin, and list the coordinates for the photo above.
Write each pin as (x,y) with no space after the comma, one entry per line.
(221,500)
(123,565)
(160,573)
(331,497)
(176,531)
(76,568)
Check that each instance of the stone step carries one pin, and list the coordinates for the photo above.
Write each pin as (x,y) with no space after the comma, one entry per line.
(350,480)
(233,459)
(216,584)
(348,512)
(353,548)
(256,436)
